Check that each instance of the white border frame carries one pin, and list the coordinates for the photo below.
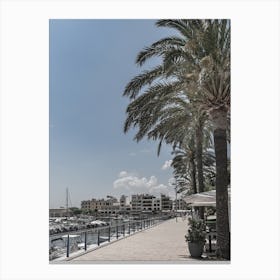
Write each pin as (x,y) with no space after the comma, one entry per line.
(255,137)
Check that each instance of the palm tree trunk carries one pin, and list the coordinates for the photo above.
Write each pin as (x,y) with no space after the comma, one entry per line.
(193,174)
(198,135)
(220,142)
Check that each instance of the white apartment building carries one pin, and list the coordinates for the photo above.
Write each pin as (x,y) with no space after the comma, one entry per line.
(139,203)
(109,205)
(166,202)
(147,202)
(179,204)
(136,203)
(85,205)
(123,202)
(150,203)
(156,204)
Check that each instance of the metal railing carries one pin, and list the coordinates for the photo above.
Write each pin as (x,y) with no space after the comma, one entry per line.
(65,244)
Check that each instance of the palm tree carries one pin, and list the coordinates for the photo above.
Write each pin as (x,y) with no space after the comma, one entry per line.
(173,121)
(196,61)
(184,167)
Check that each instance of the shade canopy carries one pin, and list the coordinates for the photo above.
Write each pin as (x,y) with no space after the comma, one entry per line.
(203,198)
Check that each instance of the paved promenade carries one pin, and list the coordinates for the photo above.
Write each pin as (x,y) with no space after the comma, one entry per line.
(163,243)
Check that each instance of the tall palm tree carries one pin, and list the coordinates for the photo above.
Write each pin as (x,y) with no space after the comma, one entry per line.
(184,167)
(196,61)
(173,121)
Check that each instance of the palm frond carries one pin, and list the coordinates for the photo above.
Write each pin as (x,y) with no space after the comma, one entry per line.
(158,48)
(138,82)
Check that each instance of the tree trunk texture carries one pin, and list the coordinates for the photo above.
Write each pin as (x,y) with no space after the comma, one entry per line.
(193,175)
(223,235)
(199,166)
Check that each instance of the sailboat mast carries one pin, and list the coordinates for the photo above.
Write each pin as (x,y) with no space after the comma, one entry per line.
(67,212)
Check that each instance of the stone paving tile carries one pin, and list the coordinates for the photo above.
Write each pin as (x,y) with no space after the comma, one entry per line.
(164,242)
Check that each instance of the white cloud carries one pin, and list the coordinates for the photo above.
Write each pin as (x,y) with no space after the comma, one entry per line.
(132,184)
(132,154)
(171,181)
(167,164)
(122,174)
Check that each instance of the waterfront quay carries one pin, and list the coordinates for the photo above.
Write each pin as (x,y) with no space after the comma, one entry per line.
(164,242)
(69,244)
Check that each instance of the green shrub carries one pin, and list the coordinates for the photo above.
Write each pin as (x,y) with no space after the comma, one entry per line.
(196,231)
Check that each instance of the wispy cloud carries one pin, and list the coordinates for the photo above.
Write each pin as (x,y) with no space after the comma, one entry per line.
(166,165)
(132,154)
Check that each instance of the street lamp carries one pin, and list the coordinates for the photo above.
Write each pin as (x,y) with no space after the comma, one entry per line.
(176,201)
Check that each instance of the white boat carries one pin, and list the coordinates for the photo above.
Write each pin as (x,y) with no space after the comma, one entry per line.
(75,240)
(98,223)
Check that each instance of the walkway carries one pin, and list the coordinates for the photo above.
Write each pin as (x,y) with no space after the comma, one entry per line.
(162,243)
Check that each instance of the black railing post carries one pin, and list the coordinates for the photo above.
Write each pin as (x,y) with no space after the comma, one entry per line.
(123,229)
(98,239)
(129,228)
(109,234)
(117,230)
(210,245)
(85,240)
(68,246)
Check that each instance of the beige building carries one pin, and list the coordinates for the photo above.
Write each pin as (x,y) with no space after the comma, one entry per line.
(179,204)
(139,203)
(85,205)
(147,202)
(123,202)
(109,205)
(156,204)
(136,203)
(150,203)
(166,202)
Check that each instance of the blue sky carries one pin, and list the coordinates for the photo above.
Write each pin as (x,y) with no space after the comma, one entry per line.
(91,61)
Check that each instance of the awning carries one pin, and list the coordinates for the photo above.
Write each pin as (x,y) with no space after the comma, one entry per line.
(203,199)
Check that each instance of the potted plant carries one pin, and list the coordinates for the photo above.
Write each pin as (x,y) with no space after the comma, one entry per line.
(196,237)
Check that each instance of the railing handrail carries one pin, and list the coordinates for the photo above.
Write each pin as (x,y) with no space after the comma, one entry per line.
(99,228)
(145,223)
